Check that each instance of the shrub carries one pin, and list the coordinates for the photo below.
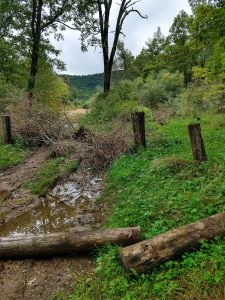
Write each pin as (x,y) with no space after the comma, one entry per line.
(160,89)
(122,100)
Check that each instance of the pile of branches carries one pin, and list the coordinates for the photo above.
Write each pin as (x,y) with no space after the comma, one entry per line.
(37,126)
(99,150)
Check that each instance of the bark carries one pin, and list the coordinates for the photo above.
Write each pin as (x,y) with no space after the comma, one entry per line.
(65,243)
(6,129)
(138,122)
(197,143)
(126,7)
(149,254)
(36,40)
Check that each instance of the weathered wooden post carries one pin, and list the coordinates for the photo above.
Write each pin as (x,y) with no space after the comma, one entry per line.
(6,129)
(138,122)
(198,148)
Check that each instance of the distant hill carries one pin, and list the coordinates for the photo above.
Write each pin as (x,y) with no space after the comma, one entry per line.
(85,85)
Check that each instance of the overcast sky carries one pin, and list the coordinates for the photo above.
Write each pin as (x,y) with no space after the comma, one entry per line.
(137,31)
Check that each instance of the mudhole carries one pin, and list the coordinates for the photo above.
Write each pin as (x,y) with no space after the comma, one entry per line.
(70,205)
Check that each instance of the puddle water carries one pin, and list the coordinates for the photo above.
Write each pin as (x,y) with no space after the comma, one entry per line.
(68,205)
(4,194)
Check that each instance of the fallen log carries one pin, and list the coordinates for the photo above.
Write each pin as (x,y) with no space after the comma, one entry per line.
(66,243)
(149,254)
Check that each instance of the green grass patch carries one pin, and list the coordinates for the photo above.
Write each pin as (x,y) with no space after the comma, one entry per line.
(49,173)
(159,189)
(11,155)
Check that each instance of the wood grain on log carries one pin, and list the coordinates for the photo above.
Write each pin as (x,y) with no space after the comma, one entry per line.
(150,253)
(64,243)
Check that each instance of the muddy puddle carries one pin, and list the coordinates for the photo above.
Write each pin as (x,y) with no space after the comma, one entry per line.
(69,205)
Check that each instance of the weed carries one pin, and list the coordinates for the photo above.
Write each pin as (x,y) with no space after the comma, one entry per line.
(11,155)
(49,173)
(159,189)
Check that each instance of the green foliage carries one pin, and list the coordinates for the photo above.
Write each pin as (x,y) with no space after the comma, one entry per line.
(11,155)
(51,90)
(163,87)
(138,95)
(84,86)
(201,98)
(159,189)
(123,99)
(49,173)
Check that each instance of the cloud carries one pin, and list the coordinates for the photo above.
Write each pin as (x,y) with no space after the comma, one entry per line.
(137,31)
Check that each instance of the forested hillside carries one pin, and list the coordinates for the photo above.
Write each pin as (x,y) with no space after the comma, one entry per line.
(84,86)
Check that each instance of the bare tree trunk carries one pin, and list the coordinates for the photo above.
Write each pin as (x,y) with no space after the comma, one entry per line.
(36,39)
(107,78)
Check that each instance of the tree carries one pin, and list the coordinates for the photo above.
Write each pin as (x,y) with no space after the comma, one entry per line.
(178,53)
(43,16)
(124,63)
(33,21)
(147,60)
(102,27)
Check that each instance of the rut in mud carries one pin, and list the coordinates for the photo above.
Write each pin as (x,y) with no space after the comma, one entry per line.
(71,205)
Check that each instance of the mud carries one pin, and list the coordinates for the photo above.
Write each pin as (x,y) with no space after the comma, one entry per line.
(71,205)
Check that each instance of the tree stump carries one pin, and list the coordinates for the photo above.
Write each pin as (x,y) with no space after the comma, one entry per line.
(198,148)
(138,122)
(6,129)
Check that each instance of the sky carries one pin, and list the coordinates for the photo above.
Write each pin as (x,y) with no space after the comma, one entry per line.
(137,31)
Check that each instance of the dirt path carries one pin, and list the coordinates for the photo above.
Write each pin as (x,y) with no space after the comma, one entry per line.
(13,198)
(38,279)
(12,178)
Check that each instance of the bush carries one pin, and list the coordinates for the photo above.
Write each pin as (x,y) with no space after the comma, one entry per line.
(160,89)
(9,94)
(204,97)
(122,100)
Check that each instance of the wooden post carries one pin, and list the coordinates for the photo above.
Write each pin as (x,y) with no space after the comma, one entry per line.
(6,129)
(138,121)
(198,148)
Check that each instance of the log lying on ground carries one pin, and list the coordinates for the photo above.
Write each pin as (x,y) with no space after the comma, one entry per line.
(148,254)
(66,243)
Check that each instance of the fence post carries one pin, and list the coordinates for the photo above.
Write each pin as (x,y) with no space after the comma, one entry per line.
(6,129)
(138,122)
(197,143)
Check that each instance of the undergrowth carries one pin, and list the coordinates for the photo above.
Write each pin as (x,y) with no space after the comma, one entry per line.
(159,189)
(49,173)
(11,155)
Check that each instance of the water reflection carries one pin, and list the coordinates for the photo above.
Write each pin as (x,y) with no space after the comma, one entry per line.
(60,211)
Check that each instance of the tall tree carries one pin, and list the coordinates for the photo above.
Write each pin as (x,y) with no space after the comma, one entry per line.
(147,61)
(43,16)
(179,53)
(104,7)
(124,63)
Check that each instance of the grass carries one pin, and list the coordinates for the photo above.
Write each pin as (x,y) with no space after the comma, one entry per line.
(11,155)
(49,173)
(159,189)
